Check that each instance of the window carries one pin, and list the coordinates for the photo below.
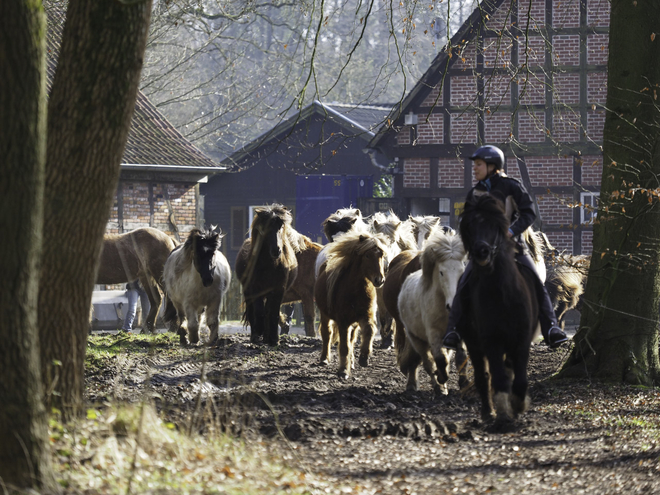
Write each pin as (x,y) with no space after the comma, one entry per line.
(589,208)
(238,227)
(444,210)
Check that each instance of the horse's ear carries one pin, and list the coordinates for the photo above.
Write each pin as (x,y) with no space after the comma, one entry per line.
(363,238)
(376,224)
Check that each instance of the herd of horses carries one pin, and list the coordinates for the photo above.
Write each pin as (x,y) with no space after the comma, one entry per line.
(377,274)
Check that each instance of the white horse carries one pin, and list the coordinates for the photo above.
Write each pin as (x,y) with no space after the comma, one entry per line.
(424,303)
(196,276)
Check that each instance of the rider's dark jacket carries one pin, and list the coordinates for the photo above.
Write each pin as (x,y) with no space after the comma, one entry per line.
(515,197)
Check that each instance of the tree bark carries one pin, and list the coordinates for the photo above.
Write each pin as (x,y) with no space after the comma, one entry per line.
(25,454)
(618,337)
(89,115)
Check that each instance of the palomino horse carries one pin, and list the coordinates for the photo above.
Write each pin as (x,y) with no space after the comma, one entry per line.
(424,303)
(303,286)
(346,294)
(137,255)
(266,266)
(500,310)
(196,277)
(566,280)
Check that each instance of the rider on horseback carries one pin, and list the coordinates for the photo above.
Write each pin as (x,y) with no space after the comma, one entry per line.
(488,162)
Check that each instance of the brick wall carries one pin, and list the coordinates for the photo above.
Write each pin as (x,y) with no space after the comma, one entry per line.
(497,127)
(451,172)
(566,13)
(512,169)
(430,132)
(595,123)
(566,88)
(597,51)
(531,88)
(497,90)
(554,209)
(549,171)
(403,136)
(563,241)
(592,170)
(566,49)
(463,91)
(466,57)
(417,173)
(531,51)
(587,242)
(531,127)
(566,126)
(136,210)
(531,13)
(497,52)
(463,127)
(598,13)
(596,87)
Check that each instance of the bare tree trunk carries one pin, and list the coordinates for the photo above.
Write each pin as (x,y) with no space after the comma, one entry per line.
(24,451)
(618,339)
(89,114)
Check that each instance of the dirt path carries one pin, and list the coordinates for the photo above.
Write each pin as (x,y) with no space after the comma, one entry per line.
(577,438)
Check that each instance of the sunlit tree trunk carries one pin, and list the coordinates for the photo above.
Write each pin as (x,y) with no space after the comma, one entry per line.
(89,114)
(618,337)
(24,451)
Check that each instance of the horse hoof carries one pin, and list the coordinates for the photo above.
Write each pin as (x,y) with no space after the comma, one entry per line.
(363,361)
(183,341)
(325,362)
(386,343)
(343,375)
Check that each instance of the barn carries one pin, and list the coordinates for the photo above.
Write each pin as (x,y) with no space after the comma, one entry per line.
(313,163)
(529,76)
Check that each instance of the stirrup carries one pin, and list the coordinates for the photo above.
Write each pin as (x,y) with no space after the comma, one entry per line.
(452,340)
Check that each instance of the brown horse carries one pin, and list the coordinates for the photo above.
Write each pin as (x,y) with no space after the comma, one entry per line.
(267,266)
(137,255)
(302,289)
(346,294)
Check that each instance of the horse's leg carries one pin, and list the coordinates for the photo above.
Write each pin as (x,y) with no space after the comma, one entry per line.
(461,362)
(345,351)
(501,383)
(286,315)
(326,337)
(482,382)
(272,317)
(151,288)
(254,310)
(213,321)
(368,329)
(519,398)
(408,360)
(193,325)
(309,313)
(386,332)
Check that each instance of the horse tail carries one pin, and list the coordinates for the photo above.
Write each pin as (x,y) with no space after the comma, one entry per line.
(406,357)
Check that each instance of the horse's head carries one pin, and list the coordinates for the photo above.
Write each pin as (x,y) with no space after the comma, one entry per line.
(204,245)
(343,220)
(269,229)
(372,249)
(484,226)
(443,262)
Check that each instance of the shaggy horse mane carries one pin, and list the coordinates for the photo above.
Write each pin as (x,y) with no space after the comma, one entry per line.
(210,237)
(294,242)
(348,247)
(343,220)
(394,229)
(438,248)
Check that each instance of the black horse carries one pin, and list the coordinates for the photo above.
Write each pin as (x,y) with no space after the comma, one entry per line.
(266,266)
(500,310)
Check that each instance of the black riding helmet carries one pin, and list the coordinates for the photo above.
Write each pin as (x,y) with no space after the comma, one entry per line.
(490,154)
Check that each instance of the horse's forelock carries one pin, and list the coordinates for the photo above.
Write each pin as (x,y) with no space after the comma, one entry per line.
(485,210)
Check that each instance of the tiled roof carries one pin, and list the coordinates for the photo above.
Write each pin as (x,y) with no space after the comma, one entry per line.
(361,120)
(152,140)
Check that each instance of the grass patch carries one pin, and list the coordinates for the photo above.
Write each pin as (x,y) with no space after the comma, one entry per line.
(129,449)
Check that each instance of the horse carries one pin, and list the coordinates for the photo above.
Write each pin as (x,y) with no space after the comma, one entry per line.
(345,293)
(500,310)
(266,266)
(424,303)
(566,280)
(196,276)
(421,227)
(342,221)
(399,238)
(302,289)
(137,255)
